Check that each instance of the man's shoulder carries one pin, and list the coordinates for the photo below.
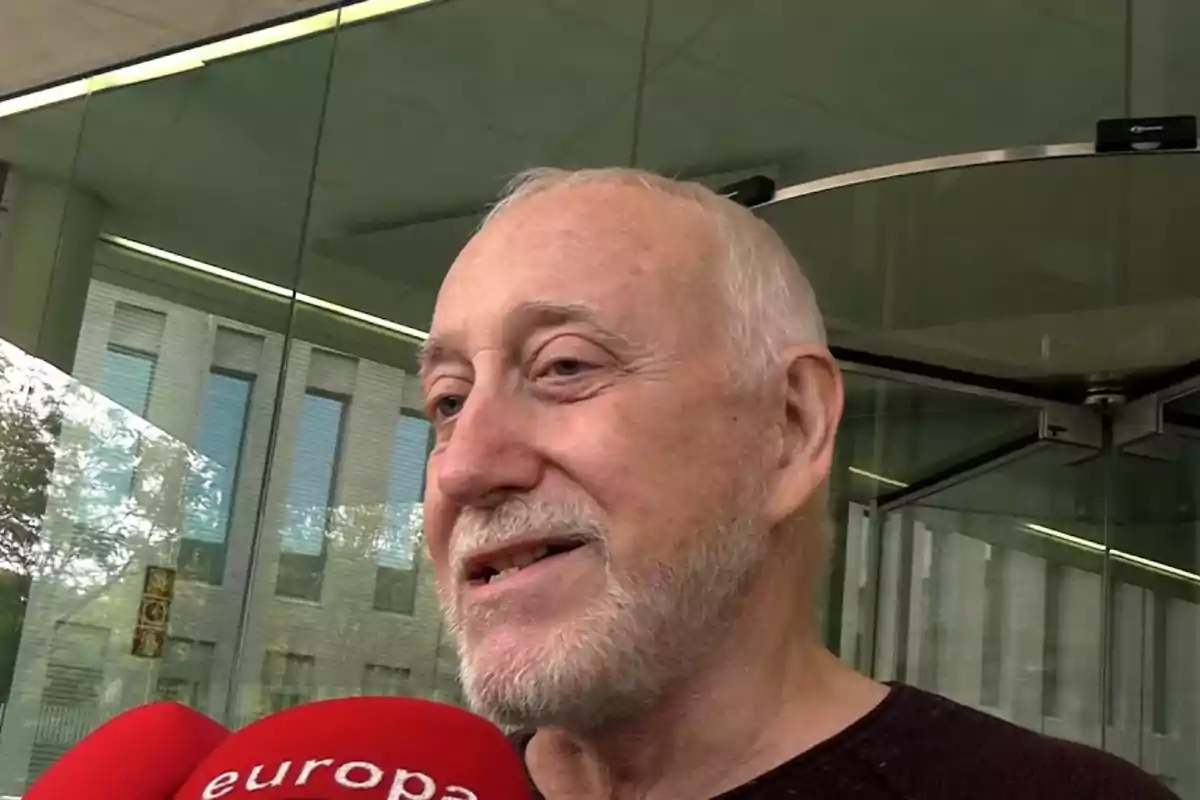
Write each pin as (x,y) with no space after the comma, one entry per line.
(922,745)
(934,738)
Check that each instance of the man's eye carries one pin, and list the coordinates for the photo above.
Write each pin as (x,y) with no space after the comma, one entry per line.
(565,368)
(447,406)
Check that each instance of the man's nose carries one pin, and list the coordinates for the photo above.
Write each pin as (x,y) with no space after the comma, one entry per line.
(490,455)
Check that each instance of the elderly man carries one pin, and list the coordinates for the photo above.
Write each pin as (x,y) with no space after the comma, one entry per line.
(635,414)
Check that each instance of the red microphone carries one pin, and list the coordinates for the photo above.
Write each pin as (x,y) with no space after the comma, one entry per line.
(368,748)
(145,753)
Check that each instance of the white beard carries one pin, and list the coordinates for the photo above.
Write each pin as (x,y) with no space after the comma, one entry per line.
(628,646)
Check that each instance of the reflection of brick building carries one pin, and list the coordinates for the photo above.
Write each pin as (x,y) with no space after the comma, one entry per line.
(340,603)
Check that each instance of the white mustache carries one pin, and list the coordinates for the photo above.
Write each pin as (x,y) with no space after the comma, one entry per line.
(479,529)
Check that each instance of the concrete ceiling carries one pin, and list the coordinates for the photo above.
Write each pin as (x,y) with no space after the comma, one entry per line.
(47,40)
(429,112)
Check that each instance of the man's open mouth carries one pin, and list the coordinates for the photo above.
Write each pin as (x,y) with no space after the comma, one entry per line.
(491,567)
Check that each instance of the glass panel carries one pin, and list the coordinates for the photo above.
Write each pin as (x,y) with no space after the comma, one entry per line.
(430,112)
(896,434)
(798,91)
(1154,697)
(38,333)
(988,601)
(1163,59)
(143,412)
(1016,270)
(1033,593)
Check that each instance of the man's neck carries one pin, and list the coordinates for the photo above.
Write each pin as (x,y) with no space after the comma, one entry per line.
(733,721)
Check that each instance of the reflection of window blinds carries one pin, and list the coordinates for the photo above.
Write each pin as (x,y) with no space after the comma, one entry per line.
(287,679)
(402,520)
(379,680)
(236,351)
(127,379)
(135,328)
(70,697)
(314,459)
(223,419)
(187,668)
(313,464)
(210,485)
(133,345)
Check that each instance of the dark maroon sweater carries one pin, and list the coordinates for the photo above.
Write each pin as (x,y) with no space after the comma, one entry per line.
(919,746)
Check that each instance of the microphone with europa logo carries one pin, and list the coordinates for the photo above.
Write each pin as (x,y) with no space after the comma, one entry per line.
(365,748)
(146,753)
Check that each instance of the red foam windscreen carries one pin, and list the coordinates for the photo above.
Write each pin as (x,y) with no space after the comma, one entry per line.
(146,753)
(385,748)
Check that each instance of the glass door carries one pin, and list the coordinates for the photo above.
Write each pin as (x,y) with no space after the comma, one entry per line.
(1054,584)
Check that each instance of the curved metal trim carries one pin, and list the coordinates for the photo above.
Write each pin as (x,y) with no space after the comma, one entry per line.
(1010,155)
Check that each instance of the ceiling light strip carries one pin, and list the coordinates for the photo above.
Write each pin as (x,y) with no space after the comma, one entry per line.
(154,67)
(369,9)
(1118,555)
(362,316)
(254,283)
(879,478)
(1156,566)
(43,97)
(1066,538)
(146,71)
(193,264)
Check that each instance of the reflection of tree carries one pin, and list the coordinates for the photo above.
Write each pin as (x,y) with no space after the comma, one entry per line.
(388,533)
(28,430)
(87,488)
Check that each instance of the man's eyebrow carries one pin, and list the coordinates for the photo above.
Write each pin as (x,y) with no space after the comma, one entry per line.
(543,314)
(531,315)
(432,352)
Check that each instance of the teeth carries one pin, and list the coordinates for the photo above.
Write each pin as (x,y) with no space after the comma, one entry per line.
(510,564)
(502,574)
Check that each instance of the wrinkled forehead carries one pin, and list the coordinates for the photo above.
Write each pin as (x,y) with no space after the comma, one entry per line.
(640,262)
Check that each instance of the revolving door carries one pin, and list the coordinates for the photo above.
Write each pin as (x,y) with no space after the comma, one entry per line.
(1019,464)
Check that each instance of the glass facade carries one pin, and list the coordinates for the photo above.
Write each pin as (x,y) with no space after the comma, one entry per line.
(215,269)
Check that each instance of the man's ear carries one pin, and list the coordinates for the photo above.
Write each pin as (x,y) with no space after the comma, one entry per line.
(812,408)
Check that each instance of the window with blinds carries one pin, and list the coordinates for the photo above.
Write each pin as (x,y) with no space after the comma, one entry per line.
(380,680)
(288,679)
(186,671)
(212,483)
(312,486)
(70,700)
(109,461)
(134,341)
(396,568)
